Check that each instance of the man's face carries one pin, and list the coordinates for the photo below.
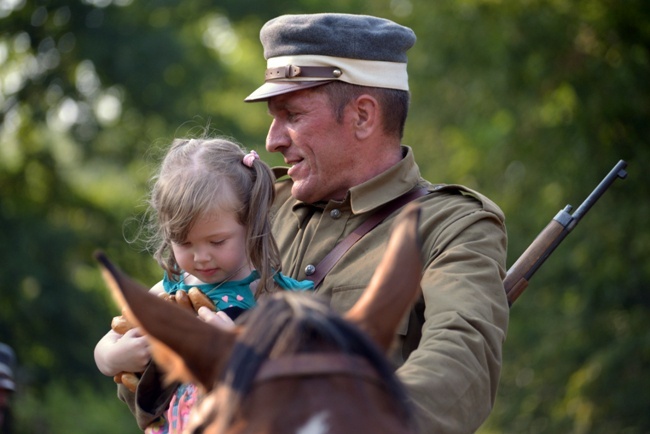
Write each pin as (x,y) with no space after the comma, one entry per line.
(319,150)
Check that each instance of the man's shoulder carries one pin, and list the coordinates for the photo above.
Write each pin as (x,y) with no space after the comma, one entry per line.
(462,196)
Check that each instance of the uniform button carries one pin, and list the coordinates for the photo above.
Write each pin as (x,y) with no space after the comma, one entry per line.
(335,213)
(310,269)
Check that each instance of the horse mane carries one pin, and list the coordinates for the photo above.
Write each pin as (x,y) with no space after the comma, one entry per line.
(291,323)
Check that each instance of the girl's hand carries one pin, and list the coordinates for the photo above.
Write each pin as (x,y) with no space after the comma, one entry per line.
(217,319)
(117,353)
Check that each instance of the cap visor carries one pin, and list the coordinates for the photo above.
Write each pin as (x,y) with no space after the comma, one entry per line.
(270,89)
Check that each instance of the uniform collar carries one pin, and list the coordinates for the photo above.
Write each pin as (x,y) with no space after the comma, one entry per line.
(394,182)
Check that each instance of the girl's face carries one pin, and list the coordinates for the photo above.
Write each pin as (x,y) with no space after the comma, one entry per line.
(214,250)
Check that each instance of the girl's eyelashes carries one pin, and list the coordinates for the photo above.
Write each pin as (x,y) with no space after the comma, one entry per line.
(188,244)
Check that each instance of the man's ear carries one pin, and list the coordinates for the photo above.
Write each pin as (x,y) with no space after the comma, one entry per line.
(366,120)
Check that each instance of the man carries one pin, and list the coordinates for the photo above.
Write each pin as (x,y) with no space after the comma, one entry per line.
(337,90)
(7,387)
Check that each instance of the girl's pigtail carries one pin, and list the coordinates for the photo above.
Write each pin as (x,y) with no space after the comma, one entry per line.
(263,249)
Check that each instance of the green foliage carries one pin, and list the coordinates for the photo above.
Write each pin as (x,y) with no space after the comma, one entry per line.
(66,407)
(530,102)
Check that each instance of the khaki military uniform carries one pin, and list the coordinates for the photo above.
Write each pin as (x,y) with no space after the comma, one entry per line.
(449,347)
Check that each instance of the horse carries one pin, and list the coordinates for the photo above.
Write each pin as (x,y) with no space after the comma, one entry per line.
(292,365)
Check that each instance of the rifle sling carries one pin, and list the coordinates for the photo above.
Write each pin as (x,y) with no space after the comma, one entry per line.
(337,252)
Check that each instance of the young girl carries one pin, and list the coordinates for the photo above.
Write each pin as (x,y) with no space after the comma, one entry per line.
(210,214)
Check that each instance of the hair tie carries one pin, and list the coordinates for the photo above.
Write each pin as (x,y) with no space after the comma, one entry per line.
(249,158)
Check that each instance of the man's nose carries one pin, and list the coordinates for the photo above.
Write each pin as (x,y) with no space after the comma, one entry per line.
(277,137)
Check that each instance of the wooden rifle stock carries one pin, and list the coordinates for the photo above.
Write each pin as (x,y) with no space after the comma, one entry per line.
(522,270)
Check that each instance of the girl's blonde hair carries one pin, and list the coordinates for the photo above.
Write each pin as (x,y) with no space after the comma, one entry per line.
(200,176)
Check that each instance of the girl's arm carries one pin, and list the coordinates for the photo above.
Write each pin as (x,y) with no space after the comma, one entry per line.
(115,353)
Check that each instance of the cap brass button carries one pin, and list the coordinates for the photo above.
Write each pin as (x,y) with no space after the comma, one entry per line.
(310,269)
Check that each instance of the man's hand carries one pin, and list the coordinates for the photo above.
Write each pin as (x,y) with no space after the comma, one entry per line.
(217,319)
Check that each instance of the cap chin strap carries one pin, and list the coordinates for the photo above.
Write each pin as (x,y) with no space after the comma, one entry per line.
(371,73)
(292,71)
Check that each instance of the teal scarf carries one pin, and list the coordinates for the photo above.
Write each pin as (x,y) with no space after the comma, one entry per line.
(236,293)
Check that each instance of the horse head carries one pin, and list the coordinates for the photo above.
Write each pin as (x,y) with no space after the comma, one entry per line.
(292,364)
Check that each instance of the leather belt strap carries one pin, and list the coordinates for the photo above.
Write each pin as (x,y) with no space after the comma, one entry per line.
(337,252)
(293,71)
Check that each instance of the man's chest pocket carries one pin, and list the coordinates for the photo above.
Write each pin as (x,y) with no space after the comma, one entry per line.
(409,330)
(342,298)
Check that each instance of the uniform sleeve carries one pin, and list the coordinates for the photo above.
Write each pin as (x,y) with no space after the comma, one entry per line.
(151,397)
(452,375)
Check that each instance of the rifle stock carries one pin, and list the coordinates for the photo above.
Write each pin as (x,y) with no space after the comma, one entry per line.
(520,273)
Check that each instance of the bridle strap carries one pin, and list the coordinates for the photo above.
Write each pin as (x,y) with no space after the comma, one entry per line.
(316,364)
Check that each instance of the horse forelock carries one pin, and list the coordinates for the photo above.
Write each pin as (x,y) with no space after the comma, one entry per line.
(281,325)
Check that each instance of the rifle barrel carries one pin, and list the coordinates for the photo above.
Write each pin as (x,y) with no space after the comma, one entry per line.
(617,172)
(518,276)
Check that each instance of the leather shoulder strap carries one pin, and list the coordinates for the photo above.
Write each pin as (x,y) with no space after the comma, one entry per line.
(371,222)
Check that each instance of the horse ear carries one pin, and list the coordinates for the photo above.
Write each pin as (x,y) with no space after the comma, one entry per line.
(187,348)
(395,284)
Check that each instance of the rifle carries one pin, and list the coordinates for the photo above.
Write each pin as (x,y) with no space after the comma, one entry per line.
(518,276)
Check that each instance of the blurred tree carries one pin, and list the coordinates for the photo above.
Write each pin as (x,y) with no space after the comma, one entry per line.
(530,102)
